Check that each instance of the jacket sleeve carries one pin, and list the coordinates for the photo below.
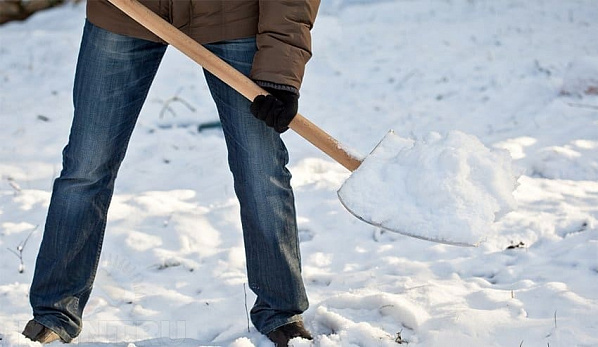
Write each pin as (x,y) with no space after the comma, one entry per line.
(284,40)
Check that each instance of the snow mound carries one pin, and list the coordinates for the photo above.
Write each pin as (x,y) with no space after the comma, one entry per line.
(447,188)
(399,308)
(577,160)
(581,77)
(342,331)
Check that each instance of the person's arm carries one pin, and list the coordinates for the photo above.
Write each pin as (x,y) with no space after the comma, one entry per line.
(284,47)
(284,40)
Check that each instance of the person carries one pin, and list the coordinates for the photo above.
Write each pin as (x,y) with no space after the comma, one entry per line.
(269,41)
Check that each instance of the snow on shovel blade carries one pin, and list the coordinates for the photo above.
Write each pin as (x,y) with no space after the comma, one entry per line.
(443,188)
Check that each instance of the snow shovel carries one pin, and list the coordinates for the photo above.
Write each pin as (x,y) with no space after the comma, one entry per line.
(350,196)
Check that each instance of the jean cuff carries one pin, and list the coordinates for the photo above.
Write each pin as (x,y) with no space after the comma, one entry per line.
(277,324)
(52,325)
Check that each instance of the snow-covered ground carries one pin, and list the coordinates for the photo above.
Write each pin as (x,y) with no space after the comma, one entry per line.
(520,75)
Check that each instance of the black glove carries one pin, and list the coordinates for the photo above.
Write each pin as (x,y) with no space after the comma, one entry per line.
(277,109)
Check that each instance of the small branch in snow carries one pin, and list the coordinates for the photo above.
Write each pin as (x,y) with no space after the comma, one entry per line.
(14,185)
(516,245)
(176,98)
(20,248)
(399,338)
(246,310)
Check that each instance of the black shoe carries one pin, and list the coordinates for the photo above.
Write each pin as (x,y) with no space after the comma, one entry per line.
(34,331)
(281,336)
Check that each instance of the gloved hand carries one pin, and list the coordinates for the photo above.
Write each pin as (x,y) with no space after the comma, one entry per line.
(277,109)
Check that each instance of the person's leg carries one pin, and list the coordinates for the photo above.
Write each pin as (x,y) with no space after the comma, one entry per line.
(257,158)
(113,76)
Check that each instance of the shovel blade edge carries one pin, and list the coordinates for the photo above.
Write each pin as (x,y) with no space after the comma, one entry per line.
(382,226)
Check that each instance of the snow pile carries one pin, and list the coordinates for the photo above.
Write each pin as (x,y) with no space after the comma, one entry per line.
(575,161)
(448,188)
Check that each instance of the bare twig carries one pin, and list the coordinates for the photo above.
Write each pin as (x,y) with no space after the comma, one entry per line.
(176,98)
(399,338)
(20,248)
(246,310)
(14,185)
(167,107)
(514,246)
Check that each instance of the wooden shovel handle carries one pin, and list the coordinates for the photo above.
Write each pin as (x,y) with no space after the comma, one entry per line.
(232,77)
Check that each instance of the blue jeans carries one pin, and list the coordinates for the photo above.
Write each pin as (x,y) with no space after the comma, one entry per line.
(113,76)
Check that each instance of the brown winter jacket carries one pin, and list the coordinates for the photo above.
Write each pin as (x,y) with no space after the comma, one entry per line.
(282,29)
